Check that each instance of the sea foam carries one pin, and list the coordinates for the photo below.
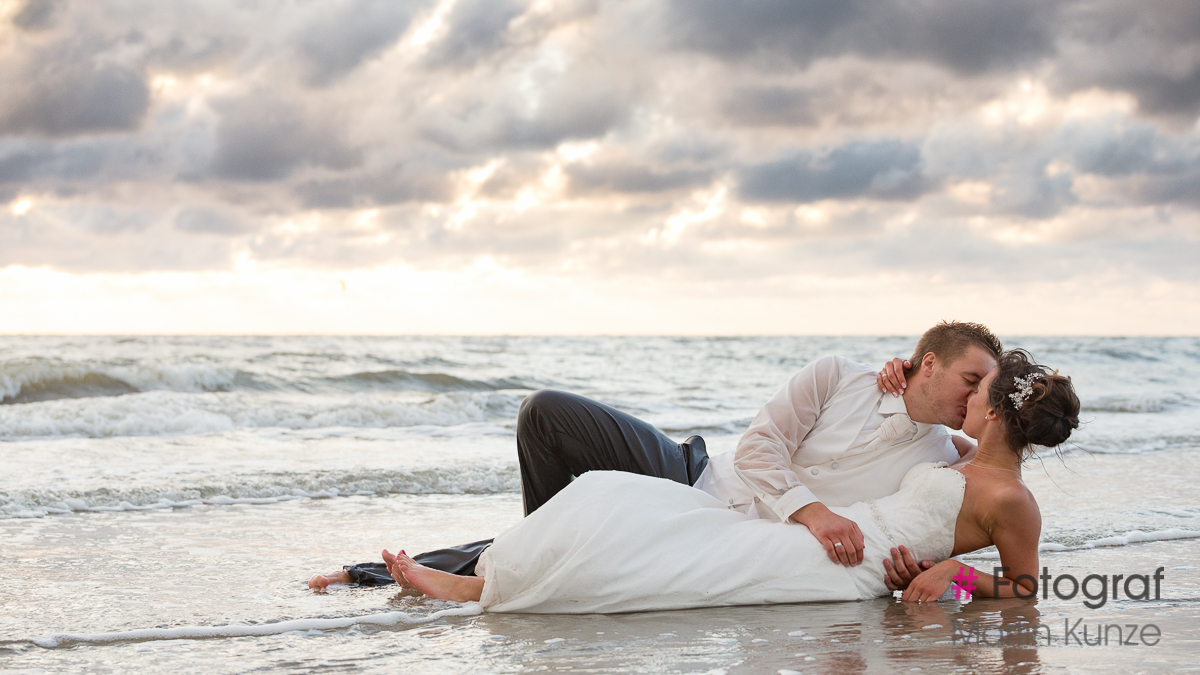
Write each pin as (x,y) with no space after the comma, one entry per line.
(1145,403)
(463,479)
(1131,537)
(246,630)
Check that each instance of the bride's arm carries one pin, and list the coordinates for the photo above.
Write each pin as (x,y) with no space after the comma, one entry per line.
(1015,534)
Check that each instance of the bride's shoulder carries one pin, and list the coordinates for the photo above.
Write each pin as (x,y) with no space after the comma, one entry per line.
(1013,494)
(1009,500)
(1009,513)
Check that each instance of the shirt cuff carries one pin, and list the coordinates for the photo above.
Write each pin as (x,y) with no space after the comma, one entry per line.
(792,501)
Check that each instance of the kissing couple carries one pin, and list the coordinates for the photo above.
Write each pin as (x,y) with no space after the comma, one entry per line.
(846,486)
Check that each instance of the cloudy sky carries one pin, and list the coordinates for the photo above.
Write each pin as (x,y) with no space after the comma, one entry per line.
(620,167)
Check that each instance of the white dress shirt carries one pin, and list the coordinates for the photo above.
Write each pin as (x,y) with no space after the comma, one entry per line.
(829,435)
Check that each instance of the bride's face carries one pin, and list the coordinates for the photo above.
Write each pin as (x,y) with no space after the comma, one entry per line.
(978,407)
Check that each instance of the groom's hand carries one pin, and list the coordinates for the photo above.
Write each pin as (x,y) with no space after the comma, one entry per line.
(902,569)
(831,530)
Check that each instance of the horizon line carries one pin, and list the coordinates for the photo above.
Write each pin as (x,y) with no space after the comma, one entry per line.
(581,335)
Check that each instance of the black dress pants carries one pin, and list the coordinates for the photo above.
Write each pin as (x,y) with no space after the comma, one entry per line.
(561,436)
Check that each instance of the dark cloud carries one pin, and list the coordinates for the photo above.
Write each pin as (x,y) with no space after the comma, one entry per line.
(39,164)
(70,92)
(886,169)
(109,221)
(631,179)
(36,14)
(342,35)
(1162,93)
(1180,188)
(378,188)
(690,148)
(19,167)
(736,28)
(1030,192)
(963,36)
(1113,152)
(769,106)
(187,52)
(1149,49)
(261,138)
(475,29)
(210,221)
(568,107)
(1152,168)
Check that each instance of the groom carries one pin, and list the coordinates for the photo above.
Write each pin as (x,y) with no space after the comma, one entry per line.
(829,437)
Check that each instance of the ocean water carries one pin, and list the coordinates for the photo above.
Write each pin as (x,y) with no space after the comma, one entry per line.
(163,502)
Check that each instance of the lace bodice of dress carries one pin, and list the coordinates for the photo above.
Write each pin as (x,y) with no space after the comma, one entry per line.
(921,516)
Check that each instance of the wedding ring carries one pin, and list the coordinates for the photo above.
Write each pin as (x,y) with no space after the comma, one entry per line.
(836,544)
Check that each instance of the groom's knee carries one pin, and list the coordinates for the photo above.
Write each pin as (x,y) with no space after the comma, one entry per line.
(535,406)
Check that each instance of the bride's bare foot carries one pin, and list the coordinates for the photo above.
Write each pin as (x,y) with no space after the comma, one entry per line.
(390,561)
(322,580)
(434,583)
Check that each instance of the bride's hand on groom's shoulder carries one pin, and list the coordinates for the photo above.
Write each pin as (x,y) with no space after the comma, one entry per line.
(891,377)
(931,584)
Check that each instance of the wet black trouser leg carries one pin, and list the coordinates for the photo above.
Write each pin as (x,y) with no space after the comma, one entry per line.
(560,436)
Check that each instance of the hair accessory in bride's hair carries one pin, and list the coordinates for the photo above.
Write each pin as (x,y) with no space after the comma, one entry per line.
(1024,388)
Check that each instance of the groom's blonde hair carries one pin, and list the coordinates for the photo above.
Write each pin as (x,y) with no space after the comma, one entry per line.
(950,339)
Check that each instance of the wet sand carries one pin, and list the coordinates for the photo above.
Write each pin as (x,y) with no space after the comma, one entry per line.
(201,577)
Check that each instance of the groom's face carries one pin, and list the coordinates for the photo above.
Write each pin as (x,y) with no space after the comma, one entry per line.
(952,384)
(978,407)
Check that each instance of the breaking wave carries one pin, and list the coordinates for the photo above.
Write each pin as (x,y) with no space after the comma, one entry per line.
(160,413)
(35,380)
(431,382)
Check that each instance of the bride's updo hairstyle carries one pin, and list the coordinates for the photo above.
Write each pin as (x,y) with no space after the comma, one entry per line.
(1038,406)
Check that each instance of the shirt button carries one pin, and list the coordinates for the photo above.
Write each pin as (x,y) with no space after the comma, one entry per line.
(814,471)
(833,466)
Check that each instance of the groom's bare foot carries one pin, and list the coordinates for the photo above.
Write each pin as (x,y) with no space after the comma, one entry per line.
(434,583)
(322,580)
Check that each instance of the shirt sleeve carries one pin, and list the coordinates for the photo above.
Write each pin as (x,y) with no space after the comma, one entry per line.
(763,459)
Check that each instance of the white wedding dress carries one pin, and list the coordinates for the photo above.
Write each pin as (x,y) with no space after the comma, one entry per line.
(620,542)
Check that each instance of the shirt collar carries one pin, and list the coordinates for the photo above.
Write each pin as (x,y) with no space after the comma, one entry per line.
(890,405)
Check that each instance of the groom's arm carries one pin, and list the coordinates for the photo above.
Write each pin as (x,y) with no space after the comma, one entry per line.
(763,458)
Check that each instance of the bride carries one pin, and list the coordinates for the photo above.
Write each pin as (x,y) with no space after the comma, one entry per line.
(620,542)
